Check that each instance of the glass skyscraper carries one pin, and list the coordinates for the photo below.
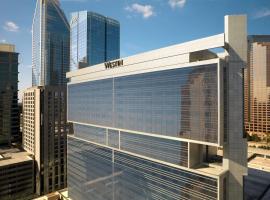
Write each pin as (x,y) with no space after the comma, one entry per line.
(50,44)
(94,39)
(45,138)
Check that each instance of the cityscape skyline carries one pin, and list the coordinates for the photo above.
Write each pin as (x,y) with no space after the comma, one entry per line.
(175,105)
(134,17)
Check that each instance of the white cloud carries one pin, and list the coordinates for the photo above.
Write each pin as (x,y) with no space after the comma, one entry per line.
(145,10)
(177,3)
(3,41)
(11,26)
(262,13)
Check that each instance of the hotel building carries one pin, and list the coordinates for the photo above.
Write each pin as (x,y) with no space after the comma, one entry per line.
(165,124)
(44,135)
(94,39)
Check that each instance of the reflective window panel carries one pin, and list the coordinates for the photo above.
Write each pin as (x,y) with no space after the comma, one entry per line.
(91,133)
(167,150)
(113,138)
(170,151)
(98,173)
(90,171)
(179,102)
(91,102)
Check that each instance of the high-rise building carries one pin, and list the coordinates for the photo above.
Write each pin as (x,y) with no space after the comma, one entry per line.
(257,86)
(94,39)
(44,135)
(9,113)
(165,124)
(50,44)
(44,106)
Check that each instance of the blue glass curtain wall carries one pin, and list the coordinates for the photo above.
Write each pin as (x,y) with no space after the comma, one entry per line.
(179,102)
(171,151)
(100,173)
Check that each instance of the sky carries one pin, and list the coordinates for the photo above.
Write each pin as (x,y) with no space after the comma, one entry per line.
(145,24)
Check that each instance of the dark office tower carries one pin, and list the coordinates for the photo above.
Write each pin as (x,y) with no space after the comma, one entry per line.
(50,44)
(44,135)
(94,39)
(9,117)
(257,86)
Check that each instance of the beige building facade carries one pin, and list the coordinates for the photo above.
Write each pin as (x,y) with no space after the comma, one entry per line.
(257,86)
(44,135)
(16,174)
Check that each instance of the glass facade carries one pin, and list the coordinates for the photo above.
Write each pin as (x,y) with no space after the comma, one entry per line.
(171,103)
(257,86)
(112,39)
(91,133)
(78,36)
(95,106)
(36,45)
(50,45)
(171,151)
(94,39)
(9,111)
(96,172)
(126,135)
(113,138)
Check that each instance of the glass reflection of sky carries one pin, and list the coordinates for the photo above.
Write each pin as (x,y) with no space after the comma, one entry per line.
(179,102)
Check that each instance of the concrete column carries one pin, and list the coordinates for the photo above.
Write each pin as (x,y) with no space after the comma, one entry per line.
(235,145)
